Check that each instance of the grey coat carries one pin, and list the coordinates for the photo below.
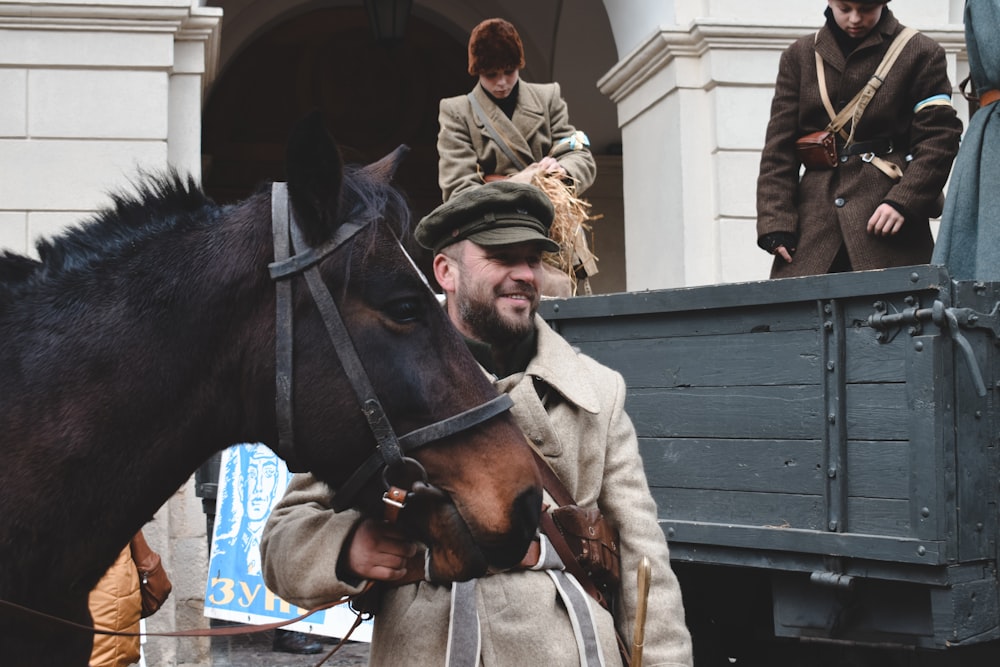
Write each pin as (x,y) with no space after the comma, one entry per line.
(830,208)
(969,237)
(467,152)
(584,433)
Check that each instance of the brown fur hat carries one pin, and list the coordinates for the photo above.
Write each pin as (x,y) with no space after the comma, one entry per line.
(494,44)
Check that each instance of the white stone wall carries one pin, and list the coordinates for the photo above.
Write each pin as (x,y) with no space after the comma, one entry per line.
(90,94)
(693,97)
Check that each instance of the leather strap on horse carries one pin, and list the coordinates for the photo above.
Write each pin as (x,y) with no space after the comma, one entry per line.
(227,631)
(390,449)
(856,107)
(196,632)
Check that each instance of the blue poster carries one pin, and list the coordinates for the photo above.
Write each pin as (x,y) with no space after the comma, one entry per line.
(251,480)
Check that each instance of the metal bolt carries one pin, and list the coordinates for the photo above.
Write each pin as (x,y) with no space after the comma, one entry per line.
(832,418)
(925,512)
(918,346)
(828,325)
(921,551)
(830,365)
(909,301)
(833,525)
(832,472)
(828,309)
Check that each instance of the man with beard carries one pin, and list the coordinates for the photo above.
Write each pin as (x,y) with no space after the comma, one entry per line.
(488,244)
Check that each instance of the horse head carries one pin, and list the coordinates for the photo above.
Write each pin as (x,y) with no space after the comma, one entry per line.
(401,369)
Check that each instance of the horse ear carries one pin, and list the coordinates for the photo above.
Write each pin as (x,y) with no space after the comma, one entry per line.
(385,169)
(315,172)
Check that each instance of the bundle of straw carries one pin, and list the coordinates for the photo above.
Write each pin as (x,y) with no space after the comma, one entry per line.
(571,217)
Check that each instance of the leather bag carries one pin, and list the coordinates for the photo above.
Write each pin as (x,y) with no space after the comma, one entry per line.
(817,150)
(154,584)
(594,542)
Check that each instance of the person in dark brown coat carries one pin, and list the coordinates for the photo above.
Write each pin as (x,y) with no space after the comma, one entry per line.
(854,216)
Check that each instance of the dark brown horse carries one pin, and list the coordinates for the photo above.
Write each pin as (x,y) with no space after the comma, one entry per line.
(144,341)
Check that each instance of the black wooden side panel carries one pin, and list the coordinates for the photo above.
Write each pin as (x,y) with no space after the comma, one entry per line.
(747,435)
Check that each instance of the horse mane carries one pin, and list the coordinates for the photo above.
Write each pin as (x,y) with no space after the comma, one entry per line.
(159,203)
(166,203)
(366,197)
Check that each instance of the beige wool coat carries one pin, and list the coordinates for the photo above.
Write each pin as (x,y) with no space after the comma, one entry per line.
(584,433)
(829,208)
(467,153)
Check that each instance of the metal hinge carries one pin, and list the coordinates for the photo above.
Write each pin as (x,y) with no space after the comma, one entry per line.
(950,320)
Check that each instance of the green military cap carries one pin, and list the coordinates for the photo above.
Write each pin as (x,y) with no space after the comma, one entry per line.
(497,213)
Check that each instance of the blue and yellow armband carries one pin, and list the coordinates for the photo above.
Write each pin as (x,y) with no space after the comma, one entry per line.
(933,101)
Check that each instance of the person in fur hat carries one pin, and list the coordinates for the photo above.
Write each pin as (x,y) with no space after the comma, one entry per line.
(531,118)
(507,128)
(869,206)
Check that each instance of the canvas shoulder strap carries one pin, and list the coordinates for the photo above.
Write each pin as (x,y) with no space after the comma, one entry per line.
(497,137)
(854,109)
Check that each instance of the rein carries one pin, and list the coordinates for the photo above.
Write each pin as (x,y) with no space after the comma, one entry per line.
(205,632)
(293,256)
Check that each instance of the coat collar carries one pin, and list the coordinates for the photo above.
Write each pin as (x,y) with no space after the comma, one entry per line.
(560,366)
(529,115)
(829,50)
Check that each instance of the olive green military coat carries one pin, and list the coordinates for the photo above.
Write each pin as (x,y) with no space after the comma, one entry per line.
(584,433)
(829,208)
(467,153)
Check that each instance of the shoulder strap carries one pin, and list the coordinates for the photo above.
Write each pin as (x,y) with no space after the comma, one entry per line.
(856,107)
(501,142)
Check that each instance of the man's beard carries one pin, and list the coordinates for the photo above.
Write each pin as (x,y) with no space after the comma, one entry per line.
(487,325)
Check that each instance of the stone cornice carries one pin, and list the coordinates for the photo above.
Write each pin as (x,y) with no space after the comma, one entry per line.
(187,22)
(670,44)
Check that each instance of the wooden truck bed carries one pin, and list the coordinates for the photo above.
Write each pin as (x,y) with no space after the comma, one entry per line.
(837,434)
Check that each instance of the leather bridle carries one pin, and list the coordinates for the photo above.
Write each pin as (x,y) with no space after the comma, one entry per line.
(293,256)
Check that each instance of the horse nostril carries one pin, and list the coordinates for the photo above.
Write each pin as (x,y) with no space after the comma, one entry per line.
(527,510)
(506,551)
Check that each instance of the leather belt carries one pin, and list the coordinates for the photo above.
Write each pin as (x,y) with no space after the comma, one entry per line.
(989,97)
(879,146)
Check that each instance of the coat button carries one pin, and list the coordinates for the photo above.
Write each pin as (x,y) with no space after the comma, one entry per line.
(839,202)
(843,158)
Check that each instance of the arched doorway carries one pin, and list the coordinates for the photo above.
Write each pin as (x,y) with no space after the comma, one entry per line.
(373,98)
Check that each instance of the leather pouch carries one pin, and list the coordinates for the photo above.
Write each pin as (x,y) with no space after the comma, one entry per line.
(154,584)
(817,150)
(594,542)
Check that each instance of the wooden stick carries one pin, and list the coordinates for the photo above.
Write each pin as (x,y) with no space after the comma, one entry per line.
(639,637)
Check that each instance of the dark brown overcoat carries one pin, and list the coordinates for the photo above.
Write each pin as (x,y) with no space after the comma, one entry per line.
(830,208)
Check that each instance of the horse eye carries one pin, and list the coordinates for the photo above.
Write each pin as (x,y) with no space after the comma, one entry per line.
(404,310)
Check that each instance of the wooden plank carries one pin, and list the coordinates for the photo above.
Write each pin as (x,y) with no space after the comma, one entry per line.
(878,469)
(717,321)
(685,536)
(784,412)
(878,412)
(779,510)
(869,361)
(774,466)
(713,361)
(879,516)
(766,292)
